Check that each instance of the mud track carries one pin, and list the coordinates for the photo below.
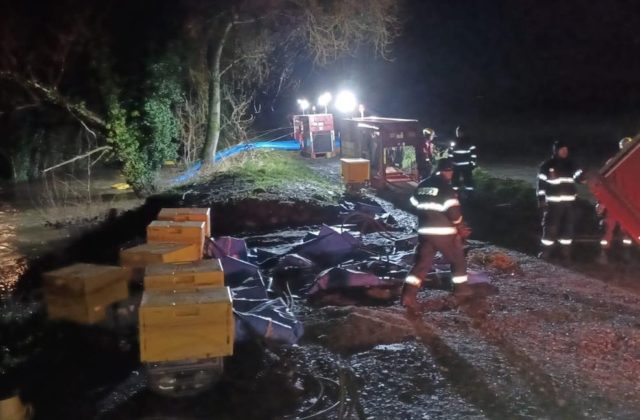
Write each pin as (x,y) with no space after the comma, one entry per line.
(554,343)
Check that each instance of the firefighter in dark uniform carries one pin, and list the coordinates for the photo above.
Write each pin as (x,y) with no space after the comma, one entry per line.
(557,194)
(440,228)
(464,162)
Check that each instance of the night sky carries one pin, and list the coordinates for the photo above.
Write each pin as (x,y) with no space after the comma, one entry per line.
(469,60)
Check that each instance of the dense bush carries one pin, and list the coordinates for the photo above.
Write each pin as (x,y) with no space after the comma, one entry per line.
(143,132)
(504,211)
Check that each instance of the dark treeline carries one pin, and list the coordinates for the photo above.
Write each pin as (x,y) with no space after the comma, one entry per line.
(150,81)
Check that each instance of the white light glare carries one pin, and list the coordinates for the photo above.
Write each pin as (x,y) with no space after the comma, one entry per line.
(324,99)
(346,102)
(304,104)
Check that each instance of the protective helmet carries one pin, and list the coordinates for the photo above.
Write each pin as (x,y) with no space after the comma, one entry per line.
(625,141)
(557,145)
(444,164)
(429,132)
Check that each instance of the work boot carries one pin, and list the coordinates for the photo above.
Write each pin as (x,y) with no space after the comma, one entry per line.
(408,298)
(566,253)
(545,254)
(463,290)
(602,258)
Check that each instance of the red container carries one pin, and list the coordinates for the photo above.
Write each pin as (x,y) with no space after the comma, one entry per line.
(315,133)
(617,187)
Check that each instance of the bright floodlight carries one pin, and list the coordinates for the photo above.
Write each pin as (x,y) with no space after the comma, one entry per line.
(324,100)
(304,105)
(346,102)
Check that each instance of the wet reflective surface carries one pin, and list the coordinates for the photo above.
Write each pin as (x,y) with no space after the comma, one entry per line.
(12,263)
(553,343)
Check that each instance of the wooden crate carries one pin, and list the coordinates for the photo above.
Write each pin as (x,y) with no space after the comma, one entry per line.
(176,232)
(355,170)
(12,408)
(186,325)
(186,276)
(82,292)
(158,253)
(188,214)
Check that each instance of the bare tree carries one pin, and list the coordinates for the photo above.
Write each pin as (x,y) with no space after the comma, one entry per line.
(254,39)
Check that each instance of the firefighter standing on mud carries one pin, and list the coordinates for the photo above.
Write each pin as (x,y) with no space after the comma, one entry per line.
(557,194)
(440,228)
(465,160)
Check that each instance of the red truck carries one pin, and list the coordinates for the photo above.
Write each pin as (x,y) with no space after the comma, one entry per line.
(617,187)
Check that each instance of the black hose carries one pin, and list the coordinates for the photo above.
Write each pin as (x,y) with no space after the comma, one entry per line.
(327,410)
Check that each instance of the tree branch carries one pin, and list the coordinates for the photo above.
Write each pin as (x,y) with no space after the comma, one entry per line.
(66,162)
(54,97)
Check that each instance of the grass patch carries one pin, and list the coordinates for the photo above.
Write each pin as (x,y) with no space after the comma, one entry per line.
(267,174)
(268,169)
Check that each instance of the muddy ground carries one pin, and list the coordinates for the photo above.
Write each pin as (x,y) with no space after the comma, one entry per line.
(555,342)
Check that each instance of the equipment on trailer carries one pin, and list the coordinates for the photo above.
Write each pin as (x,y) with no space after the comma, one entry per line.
(355,174)
(316,134)
(616,187)
(393,147)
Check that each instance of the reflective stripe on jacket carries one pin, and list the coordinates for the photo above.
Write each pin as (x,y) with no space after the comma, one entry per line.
(438,207)
(462,153)
(557,180)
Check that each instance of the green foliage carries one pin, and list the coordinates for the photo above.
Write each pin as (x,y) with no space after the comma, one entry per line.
(503,211)
(408,158)
(159,120)
(125,137)
(143,129)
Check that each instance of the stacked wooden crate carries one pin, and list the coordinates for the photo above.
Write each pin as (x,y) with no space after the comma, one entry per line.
(187,214)
(186,311)
(82,292)
(178,236)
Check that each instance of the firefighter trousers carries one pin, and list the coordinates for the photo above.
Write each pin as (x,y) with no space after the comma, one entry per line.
(450,246)
(463,178)
(557,223)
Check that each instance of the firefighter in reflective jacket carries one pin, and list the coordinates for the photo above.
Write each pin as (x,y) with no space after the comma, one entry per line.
(440,228)
(464,162)
(557,193)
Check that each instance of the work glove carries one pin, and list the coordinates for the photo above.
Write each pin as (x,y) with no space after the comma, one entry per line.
(464,231)
(542,204)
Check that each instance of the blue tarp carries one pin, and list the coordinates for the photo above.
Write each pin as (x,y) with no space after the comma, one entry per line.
(270,319)
(227,246)
(255,313)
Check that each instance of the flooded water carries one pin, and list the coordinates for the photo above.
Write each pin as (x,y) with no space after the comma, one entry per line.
(12,264)
(39,217)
